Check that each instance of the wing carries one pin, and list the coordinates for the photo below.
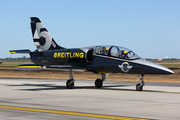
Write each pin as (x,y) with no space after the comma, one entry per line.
(51,67)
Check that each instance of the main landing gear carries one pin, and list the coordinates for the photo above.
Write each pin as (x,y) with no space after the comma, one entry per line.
(70,82)
(99,82)
(139,86)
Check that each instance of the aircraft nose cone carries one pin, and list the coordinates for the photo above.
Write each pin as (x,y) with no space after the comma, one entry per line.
(154,68)
(166,70)
(161,69)
(171,72)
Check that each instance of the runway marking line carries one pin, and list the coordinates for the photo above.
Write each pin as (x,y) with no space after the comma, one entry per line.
(71,113)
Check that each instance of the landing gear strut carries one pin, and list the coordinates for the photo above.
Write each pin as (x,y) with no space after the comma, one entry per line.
(139,86)
(99,82)
(70,82)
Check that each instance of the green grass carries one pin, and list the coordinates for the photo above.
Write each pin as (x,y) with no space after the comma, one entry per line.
(171,65)
(12,65)
(165,61)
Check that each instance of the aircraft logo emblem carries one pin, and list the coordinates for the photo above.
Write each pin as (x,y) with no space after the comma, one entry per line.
(125,67)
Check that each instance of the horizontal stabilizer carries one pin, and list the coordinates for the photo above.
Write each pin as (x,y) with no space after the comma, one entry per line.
(41,67)
(30,66)
(25,51)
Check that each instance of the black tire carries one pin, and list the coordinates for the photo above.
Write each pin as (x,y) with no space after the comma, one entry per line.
(70,84)
(98,83)
(139,87)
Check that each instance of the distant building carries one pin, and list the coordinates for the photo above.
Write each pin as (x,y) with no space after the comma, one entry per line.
(159,59)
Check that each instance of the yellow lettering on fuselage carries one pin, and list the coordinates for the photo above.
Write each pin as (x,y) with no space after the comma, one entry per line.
(55,55)
(59,54)
(81,55)
(68,55)
(62,55)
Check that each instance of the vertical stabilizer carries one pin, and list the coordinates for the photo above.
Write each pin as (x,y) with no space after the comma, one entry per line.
(42,38)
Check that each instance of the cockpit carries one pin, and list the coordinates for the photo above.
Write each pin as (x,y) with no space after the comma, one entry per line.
(116,51)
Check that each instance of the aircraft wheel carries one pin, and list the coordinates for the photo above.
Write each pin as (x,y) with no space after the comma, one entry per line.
(70,84)
(139,87)
(98,83)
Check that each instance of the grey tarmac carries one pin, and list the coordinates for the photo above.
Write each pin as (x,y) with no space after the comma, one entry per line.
(32,99)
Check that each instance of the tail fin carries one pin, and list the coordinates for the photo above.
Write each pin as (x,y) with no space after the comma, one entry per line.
(42,38)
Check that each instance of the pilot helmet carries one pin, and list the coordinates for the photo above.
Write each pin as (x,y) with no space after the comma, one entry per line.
(105,48)
(125,52)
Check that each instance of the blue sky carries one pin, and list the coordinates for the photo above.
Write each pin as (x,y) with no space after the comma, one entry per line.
(151,28)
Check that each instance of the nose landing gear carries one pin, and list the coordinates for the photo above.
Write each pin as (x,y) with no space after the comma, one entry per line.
(139,86)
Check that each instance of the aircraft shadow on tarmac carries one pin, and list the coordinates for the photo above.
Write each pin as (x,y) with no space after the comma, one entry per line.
(54,87)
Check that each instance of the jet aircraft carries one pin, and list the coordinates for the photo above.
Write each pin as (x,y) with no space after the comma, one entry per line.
(102,59)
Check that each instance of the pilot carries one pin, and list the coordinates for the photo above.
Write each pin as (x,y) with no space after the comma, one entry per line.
(105,50)
(124,53)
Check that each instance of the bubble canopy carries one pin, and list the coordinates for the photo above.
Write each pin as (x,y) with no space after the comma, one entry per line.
(116,51)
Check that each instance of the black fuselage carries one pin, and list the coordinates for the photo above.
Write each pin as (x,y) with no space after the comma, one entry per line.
(89,60)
